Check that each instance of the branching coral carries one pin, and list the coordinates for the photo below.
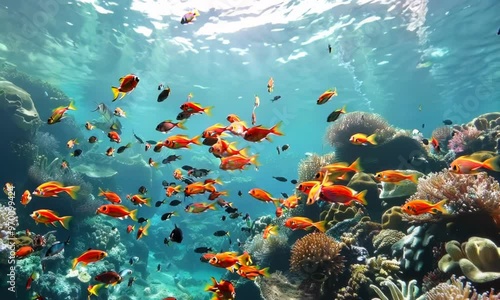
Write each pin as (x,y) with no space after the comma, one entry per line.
(466,194)
(384,240)
(456,289)
(382,267)
(442,134)
(465,141)
(317,255)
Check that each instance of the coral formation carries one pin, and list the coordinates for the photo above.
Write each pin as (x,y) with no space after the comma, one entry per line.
(337,213)
(384,240)
(309,166)
(393,219)
(406,292)
(415,248)
(465,141)
(272,252)
(382,267)
(456,289)
(478,258)
(317,255)
(277,287)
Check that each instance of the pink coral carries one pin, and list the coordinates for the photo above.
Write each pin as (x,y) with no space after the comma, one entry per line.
(462,140)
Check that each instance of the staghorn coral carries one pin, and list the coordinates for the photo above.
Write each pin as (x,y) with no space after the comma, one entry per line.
(359,277)
(384,240)
(478,258)
(466,194)
(317,255)
(465,141)
(407,292)
(347,293)
(456,289)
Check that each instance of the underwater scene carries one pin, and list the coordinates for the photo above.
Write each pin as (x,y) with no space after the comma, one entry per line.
(250,150)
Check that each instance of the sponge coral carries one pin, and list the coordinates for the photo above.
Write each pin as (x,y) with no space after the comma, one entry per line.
(317,255)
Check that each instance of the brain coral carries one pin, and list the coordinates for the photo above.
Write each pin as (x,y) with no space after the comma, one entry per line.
(317,255)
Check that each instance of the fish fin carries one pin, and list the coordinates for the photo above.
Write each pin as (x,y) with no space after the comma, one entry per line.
(355,166)
(116,92)
(145,229)
(254,160)
(148,202)
(74,263)
(245,259)
(75,140)
(277,202)
(181,124)
(133,215)
(440,206)
(276,129)
(264,272)
(71,106)
(492,163)
(72,190)
(212,206)
(413,178)
(196,140)
(65,221)
(208,110)
(360,197)
(343,111)
(371,139)
(320,225)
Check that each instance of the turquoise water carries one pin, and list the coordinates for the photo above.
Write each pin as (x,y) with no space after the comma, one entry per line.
(414,63)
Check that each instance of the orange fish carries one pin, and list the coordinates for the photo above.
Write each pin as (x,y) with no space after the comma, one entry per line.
(263,196)
(200,207)
(53,188)
(110,196)
(228,260)
(326,96)
(196,188)
(58,113)
(89,256)
(26,198)
(181,141)
(143,231)
(71,143)
(395,176)
(213,181)
(196,108)
(279,212)
(224,290)
(291,202)
(363,139)
(213,131)
(24,251)
(342,167)
(153,163)
(259,133)
(270,85)
(110,151)
(252,272)
(46,216)
(89,126)
(306,186)
(120,113)
(114,137)
(238,162)
(137,200)
(231,118)
(238,127)
(467,165)
(178,174)
(342,194)
(117,211)
(172,190)
(215,194)
(315,192)
(127,85)
(270,230)
(304,223)
(418,207)
(435,144)
(130,228)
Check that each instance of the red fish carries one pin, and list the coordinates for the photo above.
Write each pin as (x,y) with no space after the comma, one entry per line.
(127,85)
(46,216)
(89,256)
(259,133)
(58,113)
(238,162)
(304,223)
(114,137)
(117,211)
(110,196)
(195,108)
(326,96)
(418,207)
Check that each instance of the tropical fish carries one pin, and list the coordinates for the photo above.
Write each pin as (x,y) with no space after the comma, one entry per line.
(334,115)
(92,290)
(224,290)
(120,113)
(270,230)
(395,176)
(26,198)
(200,207)
(342,194)
(127,85)
(252,272)
(168,125)
(138,200)
(46,216)
(114,137)
(53,188)
(195,108)
(190,16)
(263,196)
(143,231)
(58,113)
(468,165)
(304,223)
(181,141)
(123,148)
(418,207)
(163,94)
(89,256)
(104,111)
(24,251)
(110,196)
(259,133)
(363,139)
(270,85)
(56,248)
(109,277)
(117,211)
(71,143)
(326,96)
(238,162)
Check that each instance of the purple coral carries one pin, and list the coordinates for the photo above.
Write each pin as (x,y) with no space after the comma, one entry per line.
(462,140)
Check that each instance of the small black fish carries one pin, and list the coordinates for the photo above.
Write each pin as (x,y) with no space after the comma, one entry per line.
(168,215)
(425,142)
(334,115)
(276,98)
(176,235)
(198,172)
(246,229)
(92,139)
(498,33)
(164,94)
(235,215)
(223,218)
(130,281)
(186,168)
(423,125)
(447,122)
(175,202)
(240,193)
(284,195)
(143,190)
(151,142)
(122,148)
(76,153)
(138,138)
(159,203)
(221,233)
(285,147)
(171,158)
(329,48)
(165,183)
(278,149)
(203,250)
(158,267)
(231,210)
(210,141)
(183,115)
(294,181)
(279,178)
(141,220)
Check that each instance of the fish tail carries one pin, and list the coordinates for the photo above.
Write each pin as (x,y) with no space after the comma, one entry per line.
(128,145)
(492,163)
(101,192)
(71,105)
(116,92)
(264,272)
(244,152)
(413,178)
(342,111)
(208,110)
(148,202)
(72,190)
(175,213)
(355,166)
(196,140)
(371,139)
(440,206)
(320,225)
(75,141)
(196,13)
(245,259)
(145,229)
(277,202)
(133,215)
(214,284)
(181,124)
(254,160)
(65,221)
(75,263)
(212,206)
(156,164)
(274,230)
(276,129)
(360,197)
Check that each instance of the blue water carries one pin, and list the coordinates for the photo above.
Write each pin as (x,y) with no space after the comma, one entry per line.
(414,62)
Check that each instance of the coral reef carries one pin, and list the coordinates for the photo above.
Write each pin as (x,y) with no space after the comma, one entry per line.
(456,289)
(478,258)
(465,141)
(384,240)
(382,267)
(443,135)
(415,248)
(317,255)
(277,287)
(337,213)
(8,218)
(273,252)
(406,292)
(309,166)
(393,219)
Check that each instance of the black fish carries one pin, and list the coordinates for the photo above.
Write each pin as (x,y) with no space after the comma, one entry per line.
(130,281)
(284,195)
(165,183)
(279,178)
(176,235)
(171,158)
(329,48)
(285,147)
(186,168)
(231,210)
(168,215)
(223,218)
(141,220)
(498,33)
(77,152)
(276,98)
(221,233)
(425,142)
(278,149)
(198,172)
(240,193)
(175,202)
(294,181)
(334,115)
(246,217)
(122,148)
(159,203)
(210,141)
(158,268)
(423,125)
(92,139)
(203,250)
(447,122)
(143,190)
(183,115)
(56,248)
(164,94)
(235,215)
(138,138)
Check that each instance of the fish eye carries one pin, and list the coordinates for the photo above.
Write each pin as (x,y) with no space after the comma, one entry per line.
(211,149)
(454,167)
(136,78)
(105,208)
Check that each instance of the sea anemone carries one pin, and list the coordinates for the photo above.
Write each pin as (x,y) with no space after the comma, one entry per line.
(465,141)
